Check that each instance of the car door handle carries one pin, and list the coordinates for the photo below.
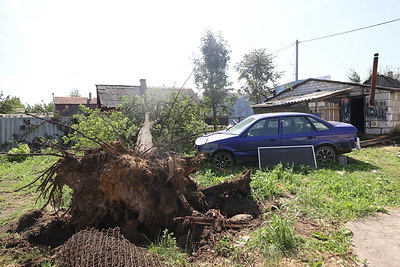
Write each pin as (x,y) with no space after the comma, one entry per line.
(274,140)
(311,137)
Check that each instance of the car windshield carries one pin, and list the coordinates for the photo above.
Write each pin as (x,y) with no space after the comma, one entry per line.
(238,128)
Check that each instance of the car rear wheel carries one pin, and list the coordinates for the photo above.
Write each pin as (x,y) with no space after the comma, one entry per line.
(222,159)
(325,154)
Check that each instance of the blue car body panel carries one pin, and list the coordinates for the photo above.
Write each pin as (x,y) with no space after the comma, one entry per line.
(243,145)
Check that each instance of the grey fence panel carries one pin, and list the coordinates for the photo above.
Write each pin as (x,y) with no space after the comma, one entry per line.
(26,129)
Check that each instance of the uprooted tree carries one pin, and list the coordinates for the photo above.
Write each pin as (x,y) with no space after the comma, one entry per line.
(140,187)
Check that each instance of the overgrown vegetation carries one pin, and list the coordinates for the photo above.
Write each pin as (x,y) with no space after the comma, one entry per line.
(21,149)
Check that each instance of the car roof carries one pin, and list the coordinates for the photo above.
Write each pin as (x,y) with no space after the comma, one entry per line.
(276,114)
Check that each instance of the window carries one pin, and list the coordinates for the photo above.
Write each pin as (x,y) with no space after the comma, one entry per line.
(238,128)
(294,124)
(318,125)
(266,127)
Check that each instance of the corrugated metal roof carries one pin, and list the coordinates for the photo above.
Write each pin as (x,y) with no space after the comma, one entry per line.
(302,98)
(385,81)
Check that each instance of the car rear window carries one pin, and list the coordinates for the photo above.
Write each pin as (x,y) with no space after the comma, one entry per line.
(318,125)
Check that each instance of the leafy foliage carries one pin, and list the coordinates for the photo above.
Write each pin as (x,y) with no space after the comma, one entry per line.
(210,74)
(41,108)
(21,149)
(259,72)
(107,126)
(175,115)
(75,93)
(9,104)
(353,76)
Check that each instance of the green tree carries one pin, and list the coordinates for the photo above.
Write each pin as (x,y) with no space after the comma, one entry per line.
(9,104)
(353,76)
(260,74)
(391,71)
(40,108)
(105,126)
(75,93)
(210,74)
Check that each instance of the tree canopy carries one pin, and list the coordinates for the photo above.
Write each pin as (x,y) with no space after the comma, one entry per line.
(353,76)
(9,104)
(75,93)
(259,73)
(210,74)
(41,108)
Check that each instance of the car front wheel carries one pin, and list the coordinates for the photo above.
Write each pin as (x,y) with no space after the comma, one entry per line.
(222,159)
(325,154)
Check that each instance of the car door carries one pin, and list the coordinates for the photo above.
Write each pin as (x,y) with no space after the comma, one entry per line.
(263,133)
(297,130)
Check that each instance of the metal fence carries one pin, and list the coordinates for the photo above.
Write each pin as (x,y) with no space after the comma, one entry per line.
(15,129)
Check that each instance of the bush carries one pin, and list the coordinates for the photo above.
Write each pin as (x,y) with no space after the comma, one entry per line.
(21,149)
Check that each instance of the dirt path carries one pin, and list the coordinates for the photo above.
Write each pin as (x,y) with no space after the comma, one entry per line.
(377,239)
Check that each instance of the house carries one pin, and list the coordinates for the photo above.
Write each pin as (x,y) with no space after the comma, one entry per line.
(241,109)
(111,96)
(68,106)
(343,101)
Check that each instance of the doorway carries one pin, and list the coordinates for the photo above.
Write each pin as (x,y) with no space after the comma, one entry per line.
(357,116)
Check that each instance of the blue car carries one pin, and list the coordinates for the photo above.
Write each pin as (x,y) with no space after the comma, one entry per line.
(240,143)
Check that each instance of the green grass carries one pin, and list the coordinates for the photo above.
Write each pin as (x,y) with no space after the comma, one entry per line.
(333,194)
(166,247)
(14,176)
(275,238)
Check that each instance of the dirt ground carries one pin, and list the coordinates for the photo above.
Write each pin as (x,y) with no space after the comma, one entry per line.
(376,240)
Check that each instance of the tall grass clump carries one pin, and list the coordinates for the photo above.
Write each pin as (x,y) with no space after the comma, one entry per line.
(275,182)
(276,239)
(166,247)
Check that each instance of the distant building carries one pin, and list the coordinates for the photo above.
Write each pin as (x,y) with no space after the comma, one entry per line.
(68,106)
(241,108)
(111,96)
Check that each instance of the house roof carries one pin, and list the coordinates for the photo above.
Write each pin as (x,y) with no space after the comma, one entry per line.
(385,81)
(301,98)
(74,101)
(382,85)
(109,96)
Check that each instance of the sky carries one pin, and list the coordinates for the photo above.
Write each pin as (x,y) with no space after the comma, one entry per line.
(54,46)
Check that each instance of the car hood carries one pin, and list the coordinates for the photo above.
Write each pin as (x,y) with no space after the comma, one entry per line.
(213,137)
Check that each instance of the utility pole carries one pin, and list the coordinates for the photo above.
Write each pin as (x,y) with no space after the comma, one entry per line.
(297,60)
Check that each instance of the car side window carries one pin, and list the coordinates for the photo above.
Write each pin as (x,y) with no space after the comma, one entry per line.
(318,125)
(266,127)
(295,124)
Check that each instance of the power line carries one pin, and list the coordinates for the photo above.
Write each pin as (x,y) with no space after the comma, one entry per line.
(358,29)
(283,48)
